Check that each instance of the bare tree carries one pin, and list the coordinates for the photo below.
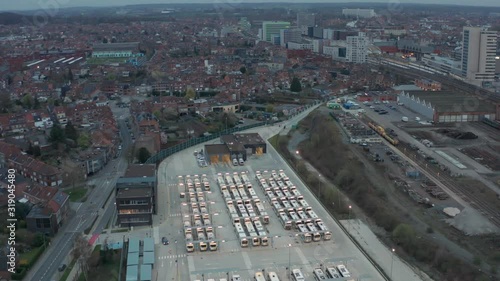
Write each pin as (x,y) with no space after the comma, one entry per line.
(81,253)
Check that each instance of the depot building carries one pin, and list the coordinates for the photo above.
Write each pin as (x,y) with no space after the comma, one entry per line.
(445,107)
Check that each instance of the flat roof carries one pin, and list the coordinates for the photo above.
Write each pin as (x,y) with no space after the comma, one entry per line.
(216,149)
(145,191)
(140,170)
(132,273)
(149,245)
(148,258)
(128,46)
(146,272)
(133,245)
(237,142)
(445,101)
(133,258)
(136,181)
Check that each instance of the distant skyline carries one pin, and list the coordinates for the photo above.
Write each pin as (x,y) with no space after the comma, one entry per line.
(49,4)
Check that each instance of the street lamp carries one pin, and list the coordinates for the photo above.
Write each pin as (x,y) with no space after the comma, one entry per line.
(392,260)
(319,185)
(350,207)
(289,269)
(297,152)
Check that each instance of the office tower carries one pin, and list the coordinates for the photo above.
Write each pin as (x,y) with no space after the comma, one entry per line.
(272,28)
(478,55)
(290,35)
(306,19)
(357,48)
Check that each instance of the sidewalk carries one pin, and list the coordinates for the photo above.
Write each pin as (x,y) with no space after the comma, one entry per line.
(393,266)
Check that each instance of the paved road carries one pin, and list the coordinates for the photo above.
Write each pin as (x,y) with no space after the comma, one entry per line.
(61,245)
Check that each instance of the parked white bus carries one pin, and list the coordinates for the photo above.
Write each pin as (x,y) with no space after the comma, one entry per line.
(332,272)
(343,270)
(319,274)
(259,276)
(297,275)
(273,276)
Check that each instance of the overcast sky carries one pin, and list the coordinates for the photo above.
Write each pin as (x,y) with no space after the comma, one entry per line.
(41,4)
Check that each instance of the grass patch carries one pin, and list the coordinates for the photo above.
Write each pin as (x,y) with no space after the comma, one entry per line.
(119,230)
(67,271)
(29,257)
(77,194)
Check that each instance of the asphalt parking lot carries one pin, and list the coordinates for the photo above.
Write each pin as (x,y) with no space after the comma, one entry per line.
(285,250)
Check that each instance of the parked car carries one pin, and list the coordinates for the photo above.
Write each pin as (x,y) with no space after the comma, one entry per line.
(62,267)
(242,162)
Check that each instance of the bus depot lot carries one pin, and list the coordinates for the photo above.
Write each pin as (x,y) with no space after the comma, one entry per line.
(285,247)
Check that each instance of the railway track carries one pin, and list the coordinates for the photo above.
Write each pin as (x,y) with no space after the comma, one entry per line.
(447,82)
(465,192)
(492,132)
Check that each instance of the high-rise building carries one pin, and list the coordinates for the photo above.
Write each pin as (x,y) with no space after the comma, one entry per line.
(306,19)
(478,55)
(290,35)
(271,29)
(357,48)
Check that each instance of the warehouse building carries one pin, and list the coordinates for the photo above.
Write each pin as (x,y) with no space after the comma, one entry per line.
(235,146)
(445,107)
(115,50)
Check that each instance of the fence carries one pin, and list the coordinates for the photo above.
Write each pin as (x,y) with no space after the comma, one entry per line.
(195,141)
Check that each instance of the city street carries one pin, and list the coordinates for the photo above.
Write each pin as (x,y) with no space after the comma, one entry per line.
(85,214)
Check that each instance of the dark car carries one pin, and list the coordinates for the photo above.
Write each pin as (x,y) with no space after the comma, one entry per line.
(164,241)
(383,112)
(62,267)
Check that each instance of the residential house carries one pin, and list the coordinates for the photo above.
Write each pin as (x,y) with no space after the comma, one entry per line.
(50,210)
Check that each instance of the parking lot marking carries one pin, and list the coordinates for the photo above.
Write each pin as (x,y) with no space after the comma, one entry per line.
(247,261)
(156,233)
(303,259)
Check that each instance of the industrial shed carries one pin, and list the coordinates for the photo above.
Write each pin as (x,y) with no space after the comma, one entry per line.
(216,153)
(445,107)
(244,144)
(235,146)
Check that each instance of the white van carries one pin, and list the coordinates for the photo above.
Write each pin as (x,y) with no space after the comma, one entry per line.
(417,119)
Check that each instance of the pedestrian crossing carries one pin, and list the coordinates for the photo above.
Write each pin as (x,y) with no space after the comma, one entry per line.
(172,257)
(175,215)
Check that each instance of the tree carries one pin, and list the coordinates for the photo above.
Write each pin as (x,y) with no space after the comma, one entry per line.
(81,253)
(243,70)
(36,105)
(71,131)
(269,108)
(190,93)
(295,86)
(39,240)
(404,235)
(143,155)
(83,140)
(56,134)
(27,101)
(5,102)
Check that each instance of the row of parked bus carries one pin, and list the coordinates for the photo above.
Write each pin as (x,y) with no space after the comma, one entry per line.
(291,207)
(194,187)
(251,231)
(247,208)
(204,237)
(331,272)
